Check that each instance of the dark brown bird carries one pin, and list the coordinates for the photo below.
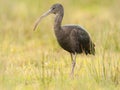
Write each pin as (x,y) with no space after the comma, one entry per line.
(72,38)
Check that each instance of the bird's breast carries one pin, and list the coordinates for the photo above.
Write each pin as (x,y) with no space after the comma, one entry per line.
(64,41)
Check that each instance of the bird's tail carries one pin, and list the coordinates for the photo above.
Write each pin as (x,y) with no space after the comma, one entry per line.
(89,48)
(92,48)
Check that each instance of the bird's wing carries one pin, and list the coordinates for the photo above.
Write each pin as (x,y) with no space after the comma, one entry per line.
(80,34)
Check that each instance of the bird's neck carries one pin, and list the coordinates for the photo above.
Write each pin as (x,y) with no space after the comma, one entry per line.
(58,21)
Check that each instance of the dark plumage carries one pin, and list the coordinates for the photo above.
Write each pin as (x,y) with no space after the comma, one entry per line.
(75,39)
(71,38)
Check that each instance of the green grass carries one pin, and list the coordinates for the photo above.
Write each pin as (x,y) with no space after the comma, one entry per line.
(34,61)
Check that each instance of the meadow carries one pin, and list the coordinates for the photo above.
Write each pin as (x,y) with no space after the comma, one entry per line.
(33,60)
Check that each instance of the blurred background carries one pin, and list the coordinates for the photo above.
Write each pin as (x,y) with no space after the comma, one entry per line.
(23,52)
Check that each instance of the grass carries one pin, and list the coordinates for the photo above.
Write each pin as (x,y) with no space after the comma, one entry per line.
(34,60)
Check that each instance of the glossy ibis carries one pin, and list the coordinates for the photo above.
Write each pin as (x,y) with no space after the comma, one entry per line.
(72,38)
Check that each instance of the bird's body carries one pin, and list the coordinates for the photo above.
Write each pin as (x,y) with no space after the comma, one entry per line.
(72,38)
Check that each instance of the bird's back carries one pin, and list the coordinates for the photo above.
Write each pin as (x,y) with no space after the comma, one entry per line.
(74,38)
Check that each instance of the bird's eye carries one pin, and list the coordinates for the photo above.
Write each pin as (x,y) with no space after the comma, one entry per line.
(53,8)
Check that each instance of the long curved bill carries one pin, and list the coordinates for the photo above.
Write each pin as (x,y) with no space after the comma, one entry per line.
(40,18)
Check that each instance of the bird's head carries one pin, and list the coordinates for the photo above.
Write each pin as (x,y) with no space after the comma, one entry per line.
(55,9)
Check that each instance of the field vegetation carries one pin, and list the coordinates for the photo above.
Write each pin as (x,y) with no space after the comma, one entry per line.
(33,60)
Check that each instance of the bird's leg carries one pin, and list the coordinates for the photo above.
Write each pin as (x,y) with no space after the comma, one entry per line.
(73,58)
